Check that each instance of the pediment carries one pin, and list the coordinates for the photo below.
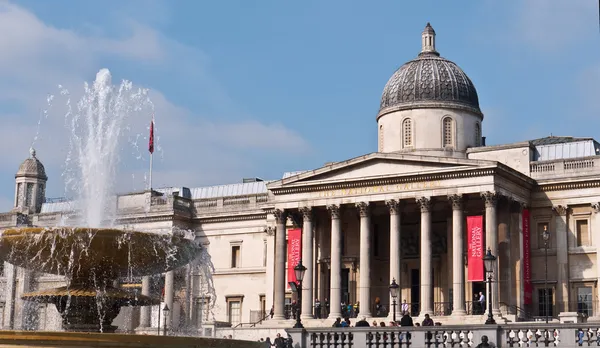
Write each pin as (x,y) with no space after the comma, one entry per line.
(378,165)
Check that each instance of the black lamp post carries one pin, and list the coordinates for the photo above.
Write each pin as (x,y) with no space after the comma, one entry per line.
(546,236)
(394,293)
(166,315)
(299,271)
(489,262)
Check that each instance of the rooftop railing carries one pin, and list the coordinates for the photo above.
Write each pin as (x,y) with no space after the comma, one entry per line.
(565,167)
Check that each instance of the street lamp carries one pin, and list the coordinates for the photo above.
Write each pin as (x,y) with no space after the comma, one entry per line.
(394,293)
(299,271)
(546,236)
(166,315)
(489,262)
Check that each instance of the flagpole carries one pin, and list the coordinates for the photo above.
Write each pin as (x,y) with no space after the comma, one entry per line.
(151,149)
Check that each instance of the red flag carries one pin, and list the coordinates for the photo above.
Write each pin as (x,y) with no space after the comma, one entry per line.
(151,139)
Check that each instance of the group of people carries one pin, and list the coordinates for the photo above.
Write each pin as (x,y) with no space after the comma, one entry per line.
(406,320)
(278,342)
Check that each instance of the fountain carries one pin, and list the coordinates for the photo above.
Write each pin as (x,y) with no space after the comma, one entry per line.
(94,257)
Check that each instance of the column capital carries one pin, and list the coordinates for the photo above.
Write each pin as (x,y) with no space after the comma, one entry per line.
(270,230)
(393,205)
(560,210)
(280,216)
(490,199)
(334,211)
(596,207)
(457,201)
(424,203)
(307,213)
(363,208)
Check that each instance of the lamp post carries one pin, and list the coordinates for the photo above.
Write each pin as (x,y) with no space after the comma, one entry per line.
(166,315)
(394,293)
(299,271)
(546,236)
(489,262)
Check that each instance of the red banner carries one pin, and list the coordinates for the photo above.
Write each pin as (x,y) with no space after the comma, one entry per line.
(294,252)
(476,249)
(527,288)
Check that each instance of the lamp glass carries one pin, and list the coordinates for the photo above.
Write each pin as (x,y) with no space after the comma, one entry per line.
(394,289)
(488,261)
(166,310)
(546,234)
(299,271)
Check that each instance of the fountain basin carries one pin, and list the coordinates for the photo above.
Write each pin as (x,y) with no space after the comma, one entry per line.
(39,339)
(95,253)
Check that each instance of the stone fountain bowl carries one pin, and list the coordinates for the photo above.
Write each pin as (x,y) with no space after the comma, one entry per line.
(95,253)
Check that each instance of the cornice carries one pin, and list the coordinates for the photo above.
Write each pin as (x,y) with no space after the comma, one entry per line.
(232,218)
(578,185)
(457,174)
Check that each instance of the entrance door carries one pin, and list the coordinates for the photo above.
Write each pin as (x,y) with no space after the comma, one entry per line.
(345,285)
(415,291)
(478,287)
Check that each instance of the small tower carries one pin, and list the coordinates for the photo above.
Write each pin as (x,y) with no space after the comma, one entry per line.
(30,185)
(428,40)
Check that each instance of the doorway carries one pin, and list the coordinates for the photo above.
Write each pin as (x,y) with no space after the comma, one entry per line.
(415,291)
(478,287)
(346,285)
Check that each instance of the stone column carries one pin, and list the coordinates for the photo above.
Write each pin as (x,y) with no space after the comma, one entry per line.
(169,296)
(395,253)
(491,238)
(426,286)
(335,283)
(270,268)
(458,267)
(280,253)
(308,262)
(365,258)
(562,258)
(596,242)
(145,312)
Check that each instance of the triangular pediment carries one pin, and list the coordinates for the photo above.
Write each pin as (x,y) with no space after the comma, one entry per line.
(378,165)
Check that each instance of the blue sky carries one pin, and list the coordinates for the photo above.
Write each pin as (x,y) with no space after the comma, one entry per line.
(256,88)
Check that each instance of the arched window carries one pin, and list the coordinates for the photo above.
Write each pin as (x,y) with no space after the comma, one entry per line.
(407,133)
(447,132)
(477,134)
(381,138)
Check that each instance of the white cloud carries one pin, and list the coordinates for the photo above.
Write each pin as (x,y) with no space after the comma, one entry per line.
(36,57)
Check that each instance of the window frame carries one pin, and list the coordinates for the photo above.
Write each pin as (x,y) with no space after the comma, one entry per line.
(229,301)
(410,122)
(238,263)
(451,144)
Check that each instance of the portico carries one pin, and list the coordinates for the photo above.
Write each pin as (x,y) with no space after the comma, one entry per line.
(407,226)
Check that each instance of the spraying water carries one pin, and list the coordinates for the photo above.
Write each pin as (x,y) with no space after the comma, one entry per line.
(96,127)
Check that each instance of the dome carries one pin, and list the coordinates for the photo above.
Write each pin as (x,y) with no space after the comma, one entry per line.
(32,167)
(429,81)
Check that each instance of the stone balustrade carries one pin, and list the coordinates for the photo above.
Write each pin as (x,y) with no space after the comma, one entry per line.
(565,167)
(508,335)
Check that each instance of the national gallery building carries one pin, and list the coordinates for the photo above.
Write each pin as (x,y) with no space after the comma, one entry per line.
(421,211)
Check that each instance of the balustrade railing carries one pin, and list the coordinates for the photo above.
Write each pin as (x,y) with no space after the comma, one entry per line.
(583,165)
(514,335)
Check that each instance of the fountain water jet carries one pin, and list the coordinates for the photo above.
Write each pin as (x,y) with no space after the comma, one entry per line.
(92,257)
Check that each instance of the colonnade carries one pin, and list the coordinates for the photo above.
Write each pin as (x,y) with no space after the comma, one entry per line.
(394,207)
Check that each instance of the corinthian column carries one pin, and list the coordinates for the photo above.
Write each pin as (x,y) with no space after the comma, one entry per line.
(280,252)
(335,296)
(596,227)
(395,252)
(365,258)
(426,286)
(562,258)
(307,261)
(458,274)
(491,238)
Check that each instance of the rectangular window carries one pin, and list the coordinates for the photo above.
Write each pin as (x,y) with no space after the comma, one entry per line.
(265,254)
(583,235)
(545,302)
(235,256)
(540,235)
(234,311)
(584,300)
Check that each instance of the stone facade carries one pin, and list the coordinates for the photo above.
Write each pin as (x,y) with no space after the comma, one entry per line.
(389,215)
